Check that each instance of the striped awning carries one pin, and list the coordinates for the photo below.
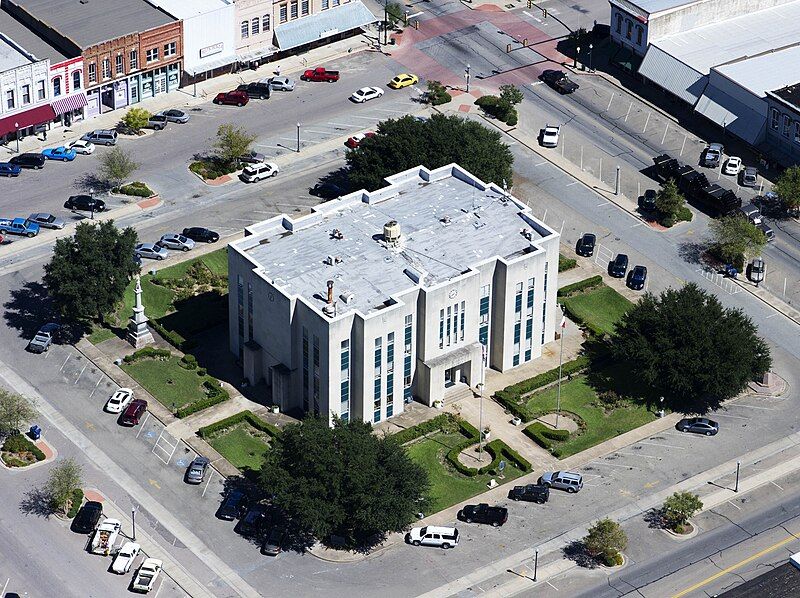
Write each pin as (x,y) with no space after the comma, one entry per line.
(69,103)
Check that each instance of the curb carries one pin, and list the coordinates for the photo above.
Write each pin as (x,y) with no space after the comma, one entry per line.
(776,304)
(46,460)
(315,551)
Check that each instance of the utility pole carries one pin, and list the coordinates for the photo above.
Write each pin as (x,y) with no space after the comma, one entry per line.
(298,138)
(535,563)
(16,126)
(738,465)
(590,57)
(133,521)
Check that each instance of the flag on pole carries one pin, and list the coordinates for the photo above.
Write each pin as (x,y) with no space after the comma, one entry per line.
(563,321)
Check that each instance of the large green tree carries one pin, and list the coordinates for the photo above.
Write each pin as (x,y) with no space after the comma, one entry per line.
(407,142)
(605,540)
(669,201)
(88,273)
(116,165)
(14,411)
(231,143)
(65,476)
(343,480)
(685,345)
(788,188)
(734,238)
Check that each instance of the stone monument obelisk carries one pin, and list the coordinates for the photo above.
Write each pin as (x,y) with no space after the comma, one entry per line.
(139,333)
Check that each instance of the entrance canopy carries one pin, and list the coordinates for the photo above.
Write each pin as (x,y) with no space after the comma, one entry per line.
(324,24)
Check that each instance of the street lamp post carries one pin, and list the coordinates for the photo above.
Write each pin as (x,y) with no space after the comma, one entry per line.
(535,563)
(661,403)
(575,60)
(468,75)
(590,57)
(91,204)
(298,138)
(16,126)
(736,487)
(133,521)
(560,361)
(480,408)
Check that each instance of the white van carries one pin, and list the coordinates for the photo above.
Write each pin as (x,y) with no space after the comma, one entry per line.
(430,535)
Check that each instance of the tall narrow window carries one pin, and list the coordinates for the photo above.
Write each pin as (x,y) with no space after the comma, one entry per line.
(26,94)
(10,98)
(56,87)
(265,24)
(344,411)
(76,80)
(315,361)
(106,68)
(390,374)
(119,66)
(639,33)
(40,90)
(254,25)
(283,13)
(240,313)
(133,59)
(461,328)
(304,7)
(629,28)
(619,23)
(245,29)
(483,316)
(407,359)
(92,68)
(376,403)
(306,370)
(294,9)
(249,311)
(441,328)
(787,122)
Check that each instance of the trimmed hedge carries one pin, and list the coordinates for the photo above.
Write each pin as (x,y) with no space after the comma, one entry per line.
(172,337)
(542,435)
(566,263)
(17,443)
(75,505)
(581,285)
(432,425)
(216,394)
(188,362)
(145,353)
(248,416)
(137,189)
(511,396)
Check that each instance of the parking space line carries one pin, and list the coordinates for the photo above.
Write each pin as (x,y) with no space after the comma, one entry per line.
(542,163)
(81,374)
(776,485)
(141,427)
(647,121)
(605,203)
(372,118)
(753,407)
(572,183)
(61,369)
(99,380)
(639,455)
(728,415)
(616,465)
(733,505)
(317,132)
(682,448)
(551,585)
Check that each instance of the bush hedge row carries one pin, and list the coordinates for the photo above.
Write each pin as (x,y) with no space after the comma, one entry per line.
(216,394)
(188,362)
(146,353)
(248,416)
(432,425)
(581,285)
(566,263)
(172,337)
(17,443)
(136,189)
(511,396)
(543,435)
(75,505)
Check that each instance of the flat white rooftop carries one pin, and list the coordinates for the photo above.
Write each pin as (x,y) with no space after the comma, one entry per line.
(450,222)
(10,57)
(181,9)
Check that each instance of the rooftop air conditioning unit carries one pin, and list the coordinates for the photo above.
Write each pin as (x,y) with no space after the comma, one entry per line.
(391,231)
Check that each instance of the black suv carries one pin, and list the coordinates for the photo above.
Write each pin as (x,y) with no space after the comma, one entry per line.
(531,493)
(649,200)
(29,160)
(585,246)
(256,90)
(87,518)
(619,266)
(637,278)
(559,81)
(483,513)
(234,505)
(85,203)
(255,521)
(201,235)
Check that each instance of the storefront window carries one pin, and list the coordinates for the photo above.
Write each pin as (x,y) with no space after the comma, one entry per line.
(134,60)
(265,24)
(40,92)
(57,87)
(294,9)
(283,13)
(245,29)
(76,80)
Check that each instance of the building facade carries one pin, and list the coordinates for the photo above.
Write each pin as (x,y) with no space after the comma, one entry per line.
(24,91)
(378,298)
(783,121)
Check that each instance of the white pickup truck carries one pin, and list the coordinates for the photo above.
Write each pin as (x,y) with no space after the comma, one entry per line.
(147,575)
(105,536)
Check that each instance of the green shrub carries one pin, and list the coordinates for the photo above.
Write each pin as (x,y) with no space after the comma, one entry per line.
(668,221)
(75,505)
(542,435)
(14,462)
(441,98)
(684,214)
(440,422)
(209,401)
(172,337)
(248,416)
(611,558)
(137,189)
(512,118)
(147,353)
(487,102)
(566,263)
(188,362)
(201,372)
(581,285)
(496,448)
(679,528)
(18,443)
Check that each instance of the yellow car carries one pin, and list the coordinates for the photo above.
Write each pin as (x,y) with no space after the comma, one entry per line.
(403,80)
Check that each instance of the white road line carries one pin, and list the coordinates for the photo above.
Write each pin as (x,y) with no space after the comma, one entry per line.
(366,117)
(639,455)
(542,163)
(551,585)
(603,204)
(318,132)
(753,407)
(637,224)
(208,482)
(390,110)
(340,124)
(61,369)
(572,183)
(141,426)
(616,465)
(683,448)
(81,374)
(728,415)
(99,380)
(776,485)
(733,505)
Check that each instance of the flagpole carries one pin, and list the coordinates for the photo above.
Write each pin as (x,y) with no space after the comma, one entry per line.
(480,415)
(560,361)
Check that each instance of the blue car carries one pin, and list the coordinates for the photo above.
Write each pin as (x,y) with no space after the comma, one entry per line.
(7,169)
(59,153)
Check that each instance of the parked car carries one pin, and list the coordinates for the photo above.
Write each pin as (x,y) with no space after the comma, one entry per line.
(548,137)
(562,480)
(45,220)
(327,190)
(8,169)
(85,203)
(698,425)
(712,155)
(28,160)
(637,278)
(750,177)
(232,98)
(274,540)
(403,80)
(354,141)
(752,212)
(134,412)
(199,234)
(197,470)
(150,251)
(233,505)
(157,122)
(62,153)
(531,493)
(101,137)
(254,521)
(767,230)
(81,146)
(147,575)
(619,266)
(732,166)
(430,535)
(87,518)
(758,270)
(124,559)
(176,241)
(119,401)
(253,173)
(280,83)
(42,340)
(484,513)
(585,246)
(550,76)
(559,81)
(365,94)
(256,90)
(320,74)
(649,200)
(252,157)
(175,116)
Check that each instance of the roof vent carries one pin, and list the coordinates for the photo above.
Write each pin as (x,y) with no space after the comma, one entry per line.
(391,232)
(337,234)
(445,219)
(347,297)
(527,233)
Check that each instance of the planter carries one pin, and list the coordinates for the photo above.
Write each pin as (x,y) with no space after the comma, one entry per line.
(691,533)
(616,567)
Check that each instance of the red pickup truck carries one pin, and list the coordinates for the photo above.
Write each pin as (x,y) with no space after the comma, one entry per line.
(320,74)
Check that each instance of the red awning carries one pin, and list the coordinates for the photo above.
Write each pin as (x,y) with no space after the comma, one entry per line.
(31,118)
(69,103)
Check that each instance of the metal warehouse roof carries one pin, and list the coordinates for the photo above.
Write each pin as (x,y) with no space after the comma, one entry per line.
(760,74)
(323,24)
(672,74)
(27,39)
(95,21)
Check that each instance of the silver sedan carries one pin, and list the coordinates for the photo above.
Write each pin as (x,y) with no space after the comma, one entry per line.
(176,241)
(175,116)
(45,220)
(151,251)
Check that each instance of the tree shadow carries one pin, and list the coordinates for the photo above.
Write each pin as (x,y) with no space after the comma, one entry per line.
(36,502)
(654,518)
(693,252)
(332,185)
(28,309)
(577,553)
(91,182)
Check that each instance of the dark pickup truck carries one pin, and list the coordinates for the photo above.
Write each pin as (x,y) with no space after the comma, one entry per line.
(696,187)
(483,513)
(531,493)
(320,74)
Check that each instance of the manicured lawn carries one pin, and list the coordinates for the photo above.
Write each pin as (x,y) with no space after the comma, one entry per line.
(243,450)
(167,381)
(601,306)
(99,334)
(577,396)
(449,487)
(216,261)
